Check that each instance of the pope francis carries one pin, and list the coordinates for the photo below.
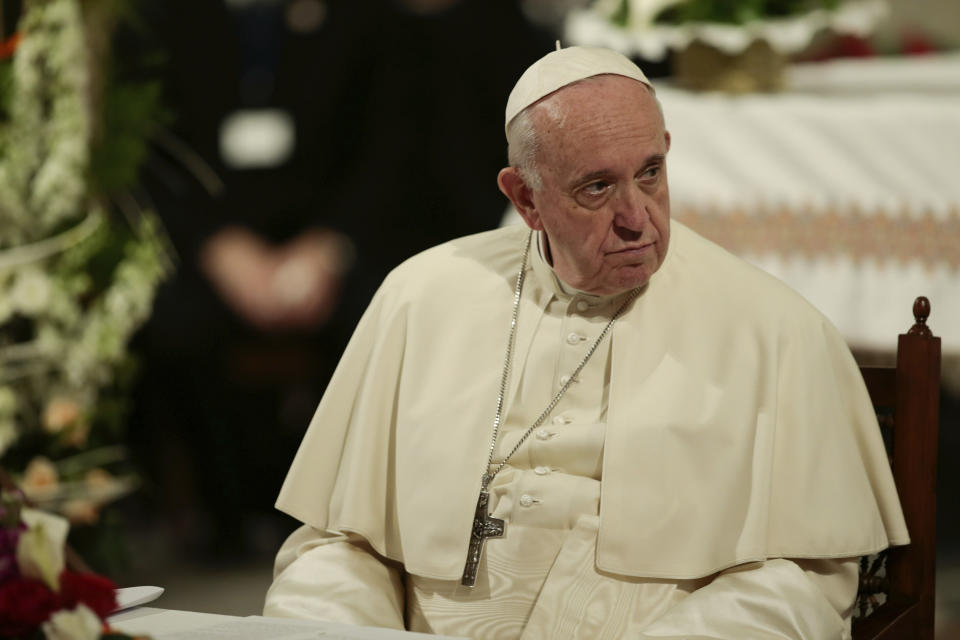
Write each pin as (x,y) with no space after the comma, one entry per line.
(597,425)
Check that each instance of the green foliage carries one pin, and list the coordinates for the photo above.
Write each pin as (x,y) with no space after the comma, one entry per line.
(130,113)
(738,11)
(96,258)
(83,277)
(103,259)
(621,16)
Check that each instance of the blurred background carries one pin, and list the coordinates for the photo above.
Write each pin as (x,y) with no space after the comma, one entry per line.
(262,165)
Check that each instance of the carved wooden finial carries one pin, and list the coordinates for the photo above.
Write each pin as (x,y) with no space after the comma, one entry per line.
(921,311)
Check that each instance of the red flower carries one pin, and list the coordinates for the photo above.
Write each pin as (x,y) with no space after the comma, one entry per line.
(90,589)
(24,605)
(9,46)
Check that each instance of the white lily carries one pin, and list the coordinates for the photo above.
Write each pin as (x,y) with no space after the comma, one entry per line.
(40,549)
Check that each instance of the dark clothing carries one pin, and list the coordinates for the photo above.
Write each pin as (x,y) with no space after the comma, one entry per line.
(399,137)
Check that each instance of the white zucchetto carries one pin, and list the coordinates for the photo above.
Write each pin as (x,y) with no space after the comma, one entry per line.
(559,68)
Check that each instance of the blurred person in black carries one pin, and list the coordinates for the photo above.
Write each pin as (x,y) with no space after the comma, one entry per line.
(347,137)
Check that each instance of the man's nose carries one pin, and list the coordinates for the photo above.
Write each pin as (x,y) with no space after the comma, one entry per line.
(631,208)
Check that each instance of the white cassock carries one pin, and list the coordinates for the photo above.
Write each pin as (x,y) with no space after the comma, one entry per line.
(714,471)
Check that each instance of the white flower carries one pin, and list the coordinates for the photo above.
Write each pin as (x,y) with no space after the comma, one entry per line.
(50,341)
(81,511)
(6,309)
(40,548)
(30,292)
(61,412)
(78,624)
(118,303)
(40,479)
(8,428)
(8,401)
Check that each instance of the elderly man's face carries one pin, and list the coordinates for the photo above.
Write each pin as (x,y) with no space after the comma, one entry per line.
(604,203)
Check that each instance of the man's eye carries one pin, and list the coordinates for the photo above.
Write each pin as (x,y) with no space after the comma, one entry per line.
(596,188)
(650,172)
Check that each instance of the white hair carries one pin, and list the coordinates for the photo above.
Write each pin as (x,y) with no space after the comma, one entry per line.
(523,139)
(523,146)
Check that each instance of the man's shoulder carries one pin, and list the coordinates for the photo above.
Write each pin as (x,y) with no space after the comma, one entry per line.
(732,283)
(464,262)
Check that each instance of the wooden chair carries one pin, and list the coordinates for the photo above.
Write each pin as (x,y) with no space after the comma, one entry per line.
(907,401)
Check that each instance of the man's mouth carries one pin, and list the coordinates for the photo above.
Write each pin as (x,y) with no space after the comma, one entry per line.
(633,251)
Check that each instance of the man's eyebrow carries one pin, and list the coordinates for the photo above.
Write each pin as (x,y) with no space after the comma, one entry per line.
(657,158)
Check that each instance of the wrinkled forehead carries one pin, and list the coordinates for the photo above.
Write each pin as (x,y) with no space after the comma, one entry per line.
(598,117)
(564,67)
(589,96)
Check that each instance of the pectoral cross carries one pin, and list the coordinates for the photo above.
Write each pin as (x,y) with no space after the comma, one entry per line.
(484,526)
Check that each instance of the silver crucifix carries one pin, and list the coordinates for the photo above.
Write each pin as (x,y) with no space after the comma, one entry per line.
(484,526)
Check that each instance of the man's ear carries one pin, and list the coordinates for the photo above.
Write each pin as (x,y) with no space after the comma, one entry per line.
(513,186)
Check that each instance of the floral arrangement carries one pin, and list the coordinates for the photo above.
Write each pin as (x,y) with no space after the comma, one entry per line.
(38,596)
(651,28)
(677,11)
(76,278)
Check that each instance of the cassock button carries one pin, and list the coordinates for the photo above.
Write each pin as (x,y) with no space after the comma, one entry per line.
(573,338)
(542,471)
(564,380)
(543,434)
(525,500)
(582,305)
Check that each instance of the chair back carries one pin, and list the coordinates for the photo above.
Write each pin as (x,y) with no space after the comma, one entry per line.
(897,587)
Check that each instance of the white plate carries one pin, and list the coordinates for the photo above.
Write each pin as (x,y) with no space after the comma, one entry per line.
(135,596)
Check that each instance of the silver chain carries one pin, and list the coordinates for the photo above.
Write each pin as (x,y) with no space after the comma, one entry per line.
(488,475)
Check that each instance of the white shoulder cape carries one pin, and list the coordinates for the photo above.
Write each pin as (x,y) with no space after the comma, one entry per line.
(738,427)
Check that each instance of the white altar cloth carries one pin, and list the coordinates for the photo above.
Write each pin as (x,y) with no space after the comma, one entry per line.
(168,624)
